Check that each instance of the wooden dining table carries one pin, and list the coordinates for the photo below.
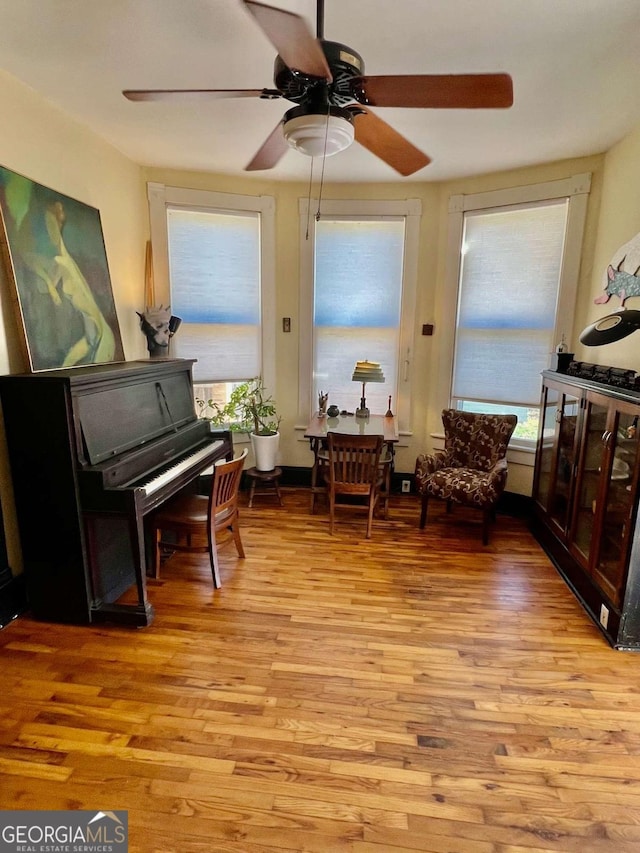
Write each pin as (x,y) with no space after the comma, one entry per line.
(321,425)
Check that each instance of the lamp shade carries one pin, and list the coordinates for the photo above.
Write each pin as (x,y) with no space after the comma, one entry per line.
(367,371)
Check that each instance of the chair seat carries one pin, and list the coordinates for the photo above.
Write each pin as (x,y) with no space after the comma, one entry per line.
(188,514)
(190,510)
(184,509)
(463,486)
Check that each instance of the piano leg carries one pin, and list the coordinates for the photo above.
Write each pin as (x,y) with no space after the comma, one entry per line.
(116,547)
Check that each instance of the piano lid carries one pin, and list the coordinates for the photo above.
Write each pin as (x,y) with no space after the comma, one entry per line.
(116,419)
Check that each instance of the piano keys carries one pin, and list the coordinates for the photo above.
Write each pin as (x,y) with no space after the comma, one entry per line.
(93,450)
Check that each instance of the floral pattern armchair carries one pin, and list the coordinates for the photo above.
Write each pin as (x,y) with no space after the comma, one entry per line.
(472,468)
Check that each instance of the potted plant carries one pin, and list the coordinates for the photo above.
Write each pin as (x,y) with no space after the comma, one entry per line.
(250,409)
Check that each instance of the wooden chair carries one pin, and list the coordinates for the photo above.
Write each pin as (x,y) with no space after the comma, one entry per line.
(189,515)
(472,468)
(354,472)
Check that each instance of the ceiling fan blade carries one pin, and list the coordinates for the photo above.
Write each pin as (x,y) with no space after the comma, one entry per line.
(439,91)
(387,144)
(292,38)
(196,94)
(272,150)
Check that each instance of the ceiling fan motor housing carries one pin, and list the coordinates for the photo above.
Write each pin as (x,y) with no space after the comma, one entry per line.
(346,67)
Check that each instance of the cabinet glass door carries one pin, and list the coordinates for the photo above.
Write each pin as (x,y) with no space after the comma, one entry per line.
(617,505)
(561,481)
(546,447)
(586,503)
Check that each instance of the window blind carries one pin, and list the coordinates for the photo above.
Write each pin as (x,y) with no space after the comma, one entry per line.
(357,307)
(509,283)
(214,267)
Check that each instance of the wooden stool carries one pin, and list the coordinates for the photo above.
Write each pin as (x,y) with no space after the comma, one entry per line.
(265,479)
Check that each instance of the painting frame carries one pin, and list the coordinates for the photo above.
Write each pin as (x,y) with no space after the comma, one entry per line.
(56,262)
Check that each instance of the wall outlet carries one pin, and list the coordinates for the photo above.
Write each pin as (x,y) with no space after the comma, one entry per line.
(406,485)
(604,616)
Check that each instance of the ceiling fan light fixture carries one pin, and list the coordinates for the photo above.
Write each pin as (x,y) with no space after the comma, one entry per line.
(317,134)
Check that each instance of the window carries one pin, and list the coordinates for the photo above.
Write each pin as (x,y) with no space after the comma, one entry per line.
(217,273)
(358,296)
(517,268)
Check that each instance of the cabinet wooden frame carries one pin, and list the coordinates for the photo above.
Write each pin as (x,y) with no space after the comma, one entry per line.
(586,498)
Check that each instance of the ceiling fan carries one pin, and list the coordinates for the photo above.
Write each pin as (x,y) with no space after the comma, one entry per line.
(326,80)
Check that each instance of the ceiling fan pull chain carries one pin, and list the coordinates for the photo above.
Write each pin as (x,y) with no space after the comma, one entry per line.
(324,160)
(309,199)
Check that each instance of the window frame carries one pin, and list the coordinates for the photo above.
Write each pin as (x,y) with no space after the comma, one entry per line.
(411,211)
(575,190)
(161,197)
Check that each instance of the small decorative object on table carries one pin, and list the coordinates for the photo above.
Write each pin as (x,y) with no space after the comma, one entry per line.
(563,356)
(389,413)
(323,399)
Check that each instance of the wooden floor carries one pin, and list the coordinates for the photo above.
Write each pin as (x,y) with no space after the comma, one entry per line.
(413,692)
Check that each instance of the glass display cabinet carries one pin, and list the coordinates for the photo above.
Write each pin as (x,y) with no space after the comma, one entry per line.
(586,498)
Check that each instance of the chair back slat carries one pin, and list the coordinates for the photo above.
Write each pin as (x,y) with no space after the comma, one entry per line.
(354,461)
(225,483)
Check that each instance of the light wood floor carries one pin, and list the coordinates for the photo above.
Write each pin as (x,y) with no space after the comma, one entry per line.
(414,692)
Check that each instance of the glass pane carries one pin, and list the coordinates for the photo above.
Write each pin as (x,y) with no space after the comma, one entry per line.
(357,308)
(214,262)
(560,487)
(509,279)
(614,541)
(528,418)
(511,266)
(337,351)
(546,447)
(213,392)
(358,273)
(223,352)
(480,369)
(587,488)
(214,268)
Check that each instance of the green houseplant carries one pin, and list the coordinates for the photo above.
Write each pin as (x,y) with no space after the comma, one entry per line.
(252,410)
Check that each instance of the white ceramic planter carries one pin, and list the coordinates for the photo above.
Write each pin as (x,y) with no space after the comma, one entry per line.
(265,450)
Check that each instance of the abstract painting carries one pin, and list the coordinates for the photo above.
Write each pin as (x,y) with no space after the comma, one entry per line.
(55,255)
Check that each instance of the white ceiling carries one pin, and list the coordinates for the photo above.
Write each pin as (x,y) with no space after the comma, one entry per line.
(575,66)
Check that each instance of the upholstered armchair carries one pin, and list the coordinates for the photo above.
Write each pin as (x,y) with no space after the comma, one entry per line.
(472,468)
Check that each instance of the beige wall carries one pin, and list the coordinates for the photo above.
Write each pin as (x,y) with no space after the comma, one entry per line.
(47,146)
(43,144)
(618,222)
(430,353)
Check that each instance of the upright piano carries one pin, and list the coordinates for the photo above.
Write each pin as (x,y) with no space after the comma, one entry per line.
(93,450)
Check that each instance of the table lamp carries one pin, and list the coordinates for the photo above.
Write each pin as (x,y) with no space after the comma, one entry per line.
(366,371)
